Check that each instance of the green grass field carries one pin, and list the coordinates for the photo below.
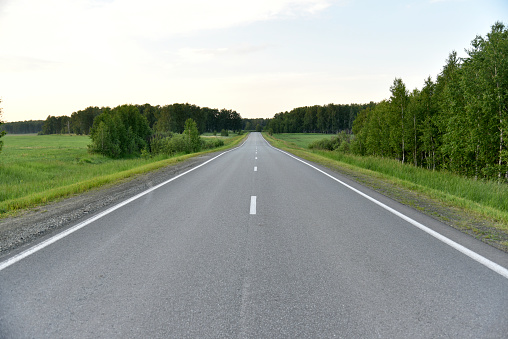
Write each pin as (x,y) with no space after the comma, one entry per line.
(35,169)
(302,139)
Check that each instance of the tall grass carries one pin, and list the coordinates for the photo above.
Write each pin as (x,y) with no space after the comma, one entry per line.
(37,169)
(486,193)
(302,139)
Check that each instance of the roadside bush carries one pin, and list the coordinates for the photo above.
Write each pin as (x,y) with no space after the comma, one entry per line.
(191,137)
(340,142)
(210,143)
(177,143)
(159,143)
(119,132)
(224,133)
(323,144)
(167,144)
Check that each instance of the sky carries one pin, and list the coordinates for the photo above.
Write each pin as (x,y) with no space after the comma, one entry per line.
(257,57)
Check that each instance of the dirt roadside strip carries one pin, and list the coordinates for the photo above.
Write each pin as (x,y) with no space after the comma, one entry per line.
(19,232)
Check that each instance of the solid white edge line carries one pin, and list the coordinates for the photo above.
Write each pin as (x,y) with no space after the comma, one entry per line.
(82,224)
(253,204)
(473,255)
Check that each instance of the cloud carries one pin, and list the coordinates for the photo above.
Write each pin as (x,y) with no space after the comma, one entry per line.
(21,64)
(105,52)
(107,32)
(200,55)
(155,19)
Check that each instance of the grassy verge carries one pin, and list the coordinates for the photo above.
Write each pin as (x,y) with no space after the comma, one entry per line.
(35,170)
(476,207)
(302,140)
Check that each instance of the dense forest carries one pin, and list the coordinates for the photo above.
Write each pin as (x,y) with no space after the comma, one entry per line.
(330,118)
(82,120)
(168,118)
(22,127)
(256,124)
(458,122)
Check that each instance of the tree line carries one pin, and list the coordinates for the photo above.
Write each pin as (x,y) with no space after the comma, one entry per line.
(458,122)
(161,119)
(255,124)
(331,118)
(22,127)
(126,130)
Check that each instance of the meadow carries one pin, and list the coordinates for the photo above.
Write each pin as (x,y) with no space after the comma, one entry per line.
(302,140)
(35,169)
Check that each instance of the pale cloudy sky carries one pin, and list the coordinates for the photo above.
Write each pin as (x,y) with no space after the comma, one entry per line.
(258,57)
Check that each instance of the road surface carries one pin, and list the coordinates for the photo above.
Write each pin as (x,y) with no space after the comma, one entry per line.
(256,244)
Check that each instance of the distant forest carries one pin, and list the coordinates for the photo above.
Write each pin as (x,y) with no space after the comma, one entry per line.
(330,118)
(81,122)
(63,124)
(161,119)
(22,127)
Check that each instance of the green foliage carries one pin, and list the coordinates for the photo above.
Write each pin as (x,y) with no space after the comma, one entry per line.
(340,141)
(172,118)
(224,133)
(168,118)
(119,132)
(191,137)
(302,140)
(459,123)
(210,143)
(330,118)
(22,127)
(256,124)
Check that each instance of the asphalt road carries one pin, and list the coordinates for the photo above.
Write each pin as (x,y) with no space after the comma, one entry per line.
(199,257)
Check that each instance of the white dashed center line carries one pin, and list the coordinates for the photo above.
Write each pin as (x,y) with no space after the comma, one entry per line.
(253,204)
